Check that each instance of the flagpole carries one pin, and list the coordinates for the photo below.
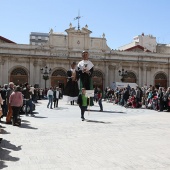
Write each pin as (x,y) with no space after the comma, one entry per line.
(77,18)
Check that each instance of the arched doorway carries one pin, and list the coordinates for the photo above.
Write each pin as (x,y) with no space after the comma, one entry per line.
(59,78)
(98,79)
(161,80)
(130,78)
(19,76)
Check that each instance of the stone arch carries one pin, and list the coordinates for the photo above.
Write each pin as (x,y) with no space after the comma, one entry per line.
(97,79)
(97,73)
(160,79)
(59,78)
(18,75)
(130,77)
(59,72)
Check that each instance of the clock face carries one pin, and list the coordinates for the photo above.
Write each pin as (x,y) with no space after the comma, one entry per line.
(78,42)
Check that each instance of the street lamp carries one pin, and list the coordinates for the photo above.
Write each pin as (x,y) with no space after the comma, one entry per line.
(122,73)
(45,71)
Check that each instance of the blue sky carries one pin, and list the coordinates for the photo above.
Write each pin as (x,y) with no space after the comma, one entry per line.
(120,20)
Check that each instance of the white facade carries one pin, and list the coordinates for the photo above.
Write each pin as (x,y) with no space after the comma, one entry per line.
(23,62)
(146,41)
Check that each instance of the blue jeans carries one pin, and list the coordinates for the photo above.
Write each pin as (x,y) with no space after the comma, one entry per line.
(100,104)
(50,101)
(28,103)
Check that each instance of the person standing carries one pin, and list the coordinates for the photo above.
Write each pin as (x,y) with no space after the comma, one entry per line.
(27,92)
(100,100)
(41,93)
(138,95)
(16,102)
(50,97)
(4,97)
(56,96)
(160,99)
(9,92)
(83,102)
(71,91)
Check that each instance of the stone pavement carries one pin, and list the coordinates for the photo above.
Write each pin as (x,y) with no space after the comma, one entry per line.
(116,139)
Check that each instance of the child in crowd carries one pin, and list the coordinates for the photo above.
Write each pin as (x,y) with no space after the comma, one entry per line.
(83,102)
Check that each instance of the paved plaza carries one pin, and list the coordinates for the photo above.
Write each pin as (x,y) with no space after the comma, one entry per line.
(116,139)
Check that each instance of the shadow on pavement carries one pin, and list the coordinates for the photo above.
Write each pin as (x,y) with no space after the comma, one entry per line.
(41,117)
(35,113)
(107,111)
(3,122)
(96,121)
(26,126)
(26,121)
(5,156)
(2,131)
(60,108)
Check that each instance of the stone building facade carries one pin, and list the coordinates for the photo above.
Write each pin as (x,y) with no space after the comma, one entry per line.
(22,63)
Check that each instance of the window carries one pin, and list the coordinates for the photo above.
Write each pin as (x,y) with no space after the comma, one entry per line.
(46,38)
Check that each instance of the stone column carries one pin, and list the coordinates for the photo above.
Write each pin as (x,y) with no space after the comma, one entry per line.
(168,79)
(140,76)
(144,77)
(3,74)
(148,76)
(111,75)
(36,76)
(31,72)
(106,78)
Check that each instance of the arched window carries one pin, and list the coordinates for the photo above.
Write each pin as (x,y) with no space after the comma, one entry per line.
(18,71)
(161,80)
(59,73)
(161,76)
(97,73)
(130,77)
(97,79)
(19,76)
(59,78)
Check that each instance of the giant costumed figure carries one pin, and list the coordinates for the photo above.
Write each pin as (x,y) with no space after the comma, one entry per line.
(71,90)
(85,68)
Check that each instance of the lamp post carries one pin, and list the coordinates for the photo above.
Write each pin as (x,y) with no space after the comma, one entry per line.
(122,73)
(45,71)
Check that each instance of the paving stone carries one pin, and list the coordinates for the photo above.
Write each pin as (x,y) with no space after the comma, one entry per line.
(118,138)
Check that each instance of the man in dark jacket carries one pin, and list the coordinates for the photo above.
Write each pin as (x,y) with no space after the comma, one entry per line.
(125,95)
(160,99)
(28,98)
(4,97)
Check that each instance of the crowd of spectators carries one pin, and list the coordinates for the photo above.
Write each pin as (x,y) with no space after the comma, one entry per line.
(12,99)
(152,97)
